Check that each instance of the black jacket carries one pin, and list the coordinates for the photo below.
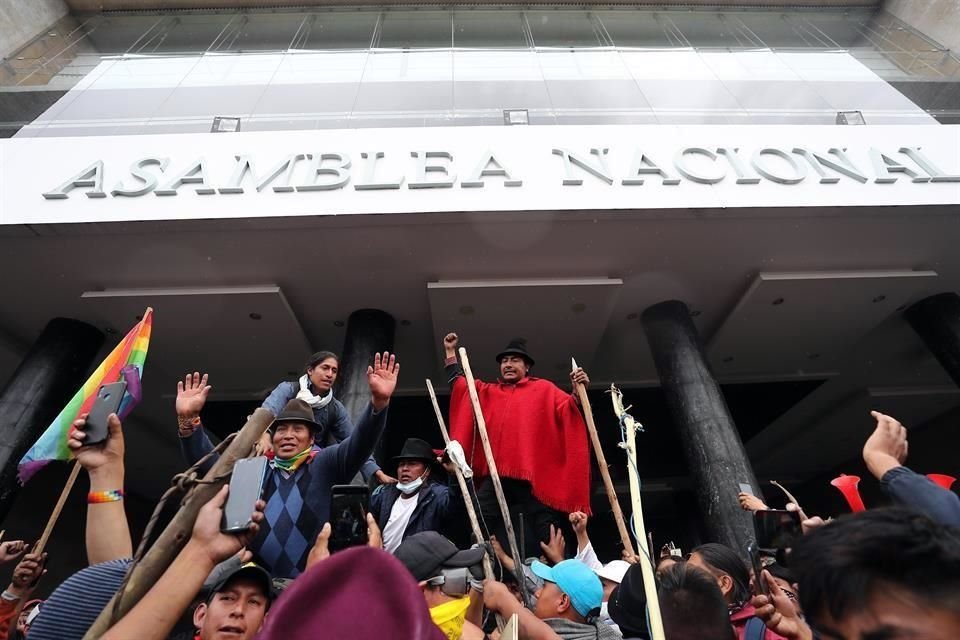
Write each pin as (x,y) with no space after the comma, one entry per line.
(436,506)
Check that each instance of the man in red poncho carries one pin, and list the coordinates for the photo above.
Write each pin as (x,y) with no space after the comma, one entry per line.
(538,438)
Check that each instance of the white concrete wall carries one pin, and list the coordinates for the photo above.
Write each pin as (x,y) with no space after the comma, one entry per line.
(936,19)
(22,20)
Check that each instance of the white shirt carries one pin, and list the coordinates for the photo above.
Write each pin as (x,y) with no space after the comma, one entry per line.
(399,519)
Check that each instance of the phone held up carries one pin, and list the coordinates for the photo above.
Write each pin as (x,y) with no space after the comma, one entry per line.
(759,584)
(246,487)
(348,516)
(108,400)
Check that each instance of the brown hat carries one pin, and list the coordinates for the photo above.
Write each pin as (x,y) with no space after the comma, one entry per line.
(295,411)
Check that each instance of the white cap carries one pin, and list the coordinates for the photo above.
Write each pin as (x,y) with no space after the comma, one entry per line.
(33,614)
(614,571)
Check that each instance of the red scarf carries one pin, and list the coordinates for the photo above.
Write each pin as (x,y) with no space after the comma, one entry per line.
(536,434)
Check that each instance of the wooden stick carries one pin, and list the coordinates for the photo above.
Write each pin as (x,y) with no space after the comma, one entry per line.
(494,475)
(52,522)
(602,463)
(790,497)
(467,497)
(156,561)
(646,559)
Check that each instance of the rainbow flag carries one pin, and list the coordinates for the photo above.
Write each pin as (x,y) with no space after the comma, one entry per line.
(126,361)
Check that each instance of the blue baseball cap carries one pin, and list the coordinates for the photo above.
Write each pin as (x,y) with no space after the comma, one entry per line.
(576,580)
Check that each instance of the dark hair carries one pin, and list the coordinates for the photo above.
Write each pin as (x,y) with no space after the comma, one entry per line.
(319,357)
(721,558)
(839,566)
(777,570)
(662,559)
(692,605)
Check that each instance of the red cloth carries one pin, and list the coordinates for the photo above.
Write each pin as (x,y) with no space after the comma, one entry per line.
(536,433)
(739,622)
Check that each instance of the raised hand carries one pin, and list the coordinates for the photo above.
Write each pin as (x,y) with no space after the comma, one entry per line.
(11,550)
(751,503)
(779,613)
(206,530)
(29,571)
(555,549)
(450,344)
(887,447)
(374,537)
(579,376)
(96,457)
(578,520)
(321,548)
(192,394)
(382,378)
(505,560)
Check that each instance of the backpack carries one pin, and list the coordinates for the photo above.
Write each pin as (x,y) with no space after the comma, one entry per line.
(755,629)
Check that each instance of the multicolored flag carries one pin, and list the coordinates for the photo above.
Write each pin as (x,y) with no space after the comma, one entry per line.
(125,361)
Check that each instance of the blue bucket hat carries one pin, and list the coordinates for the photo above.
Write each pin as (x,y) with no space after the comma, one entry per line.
(576,580)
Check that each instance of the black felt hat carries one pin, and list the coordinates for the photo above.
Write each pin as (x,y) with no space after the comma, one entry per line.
(516,347)
(416,449)
(295,411)
(628,602)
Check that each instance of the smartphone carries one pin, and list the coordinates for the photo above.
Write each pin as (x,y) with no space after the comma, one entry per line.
(754,552)
(108,400)
(776,529)
(746,488)
(348,516)
(246,487)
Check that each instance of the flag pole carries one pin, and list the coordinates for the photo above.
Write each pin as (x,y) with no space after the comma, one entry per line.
(630,425)
(52,522)
(467,495)
(494,475)
(602,463)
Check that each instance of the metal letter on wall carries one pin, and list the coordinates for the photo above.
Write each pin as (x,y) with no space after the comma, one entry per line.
(370,182)
(91,177)
(600,170)
(744,175)
(936,175)
(680,162)
(426,169)
(483,168)
(799,170)
(884,166)
(818,162)
(196,173)
(644,165)
(245,165)
(340,172)
(138,170)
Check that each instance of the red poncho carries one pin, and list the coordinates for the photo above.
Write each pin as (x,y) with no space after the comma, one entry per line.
(536,433)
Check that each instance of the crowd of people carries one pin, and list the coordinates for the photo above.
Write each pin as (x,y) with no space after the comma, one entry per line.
(885,573)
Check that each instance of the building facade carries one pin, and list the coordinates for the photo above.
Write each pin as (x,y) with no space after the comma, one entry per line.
(262,176)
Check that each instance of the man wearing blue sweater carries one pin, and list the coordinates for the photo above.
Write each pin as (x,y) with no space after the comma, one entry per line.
(301,475)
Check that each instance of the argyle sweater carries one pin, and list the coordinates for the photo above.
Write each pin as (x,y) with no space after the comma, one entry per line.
(298,504)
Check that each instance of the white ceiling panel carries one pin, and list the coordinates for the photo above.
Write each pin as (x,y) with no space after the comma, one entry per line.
(561,317)
(804,323)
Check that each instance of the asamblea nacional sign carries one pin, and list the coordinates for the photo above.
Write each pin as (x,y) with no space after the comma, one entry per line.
(323,172)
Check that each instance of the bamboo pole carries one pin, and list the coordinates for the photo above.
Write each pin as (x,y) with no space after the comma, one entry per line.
(494,475)
(156,561)
(602,463)
(467,496)
(646,559)
(52,522)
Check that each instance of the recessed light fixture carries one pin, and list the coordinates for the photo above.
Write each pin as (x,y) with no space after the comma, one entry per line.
(778,302)
(256,316)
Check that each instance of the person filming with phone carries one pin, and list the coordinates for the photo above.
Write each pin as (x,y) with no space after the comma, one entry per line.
(298,483)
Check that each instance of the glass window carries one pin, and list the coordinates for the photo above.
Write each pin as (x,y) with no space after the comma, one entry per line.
(415,30)
(634,28)
(332,30)
(489,29)
(564,29)
(184,33)
(708,29)
(260,32)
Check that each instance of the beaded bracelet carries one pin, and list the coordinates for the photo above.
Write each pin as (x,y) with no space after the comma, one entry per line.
(98,497)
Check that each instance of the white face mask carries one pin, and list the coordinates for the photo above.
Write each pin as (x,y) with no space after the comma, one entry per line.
(410,488)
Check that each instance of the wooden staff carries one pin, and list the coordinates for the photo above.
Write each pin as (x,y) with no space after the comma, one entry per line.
(494,476)
(602,462)
(156,561)
(467,496)
(52,522)
(646,559)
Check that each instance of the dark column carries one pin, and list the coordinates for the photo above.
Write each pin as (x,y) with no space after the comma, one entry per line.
(368,331)
(49,375)
(714,451)
(937,321)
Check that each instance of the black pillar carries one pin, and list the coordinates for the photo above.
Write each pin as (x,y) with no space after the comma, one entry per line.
(46,379)
(368,331)
(712,445)
(937,321)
